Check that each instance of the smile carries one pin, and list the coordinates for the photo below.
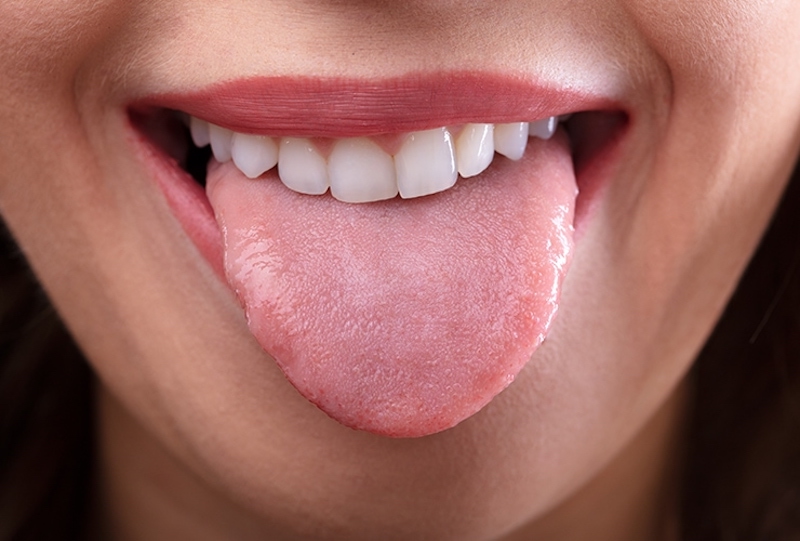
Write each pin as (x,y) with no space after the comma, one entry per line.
(406,315)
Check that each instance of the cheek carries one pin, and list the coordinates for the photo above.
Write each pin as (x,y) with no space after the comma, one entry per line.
(45,47)
(44,42)
(710,37)
(732,65)
(722,55)
(651,278)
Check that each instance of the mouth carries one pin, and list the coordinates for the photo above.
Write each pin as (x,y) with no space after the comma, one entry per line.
(398,247)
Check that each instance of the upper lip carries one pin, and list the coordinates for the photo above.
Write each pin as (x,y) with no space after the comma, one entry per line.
(349,107)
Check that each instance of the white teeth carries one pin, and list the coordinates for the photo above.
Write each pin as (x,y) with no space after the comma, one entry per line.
(220,139)
(426,163)
(475,149)
(360,171)
(301,167)
(511,139)
(545,128)
(254,154)
(199,130)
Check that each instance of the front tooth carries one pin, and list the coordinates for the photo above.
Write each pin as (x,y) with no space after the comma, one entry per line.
(253,154)
(511,139)
(220,139)
(199,130)
(360,171)
(301,167)
(426,163)
(474,149)
(545,128)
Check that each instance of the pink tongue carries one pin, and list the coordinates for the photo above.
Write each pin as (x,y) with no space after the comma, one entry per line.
(403,317)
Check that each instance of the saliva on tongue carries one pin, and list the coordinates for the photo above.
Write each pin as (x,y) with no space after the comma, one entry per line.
(402,317)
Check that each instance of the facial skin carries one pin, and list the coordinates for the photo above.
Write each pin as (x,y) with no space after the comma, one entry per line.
(200,432)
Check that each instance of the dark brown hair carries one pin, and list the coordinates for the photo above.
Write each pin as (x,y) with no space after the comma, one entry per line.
(742,480)
(742,474)
(45,413)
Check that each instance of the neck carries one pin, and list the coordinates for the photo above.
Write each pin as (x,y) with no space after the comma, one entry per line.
(635,497)
(146,493)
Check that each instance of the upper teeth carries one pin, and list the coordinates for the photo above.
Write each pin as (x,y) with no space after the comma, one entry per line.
(358,170)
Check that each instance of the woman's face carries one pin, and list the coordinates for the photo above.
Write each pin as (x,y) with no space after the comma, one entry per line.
(678,177)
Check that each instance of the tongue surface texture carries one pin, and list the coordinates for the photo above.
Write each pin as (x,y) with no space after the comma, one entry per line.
(402,317)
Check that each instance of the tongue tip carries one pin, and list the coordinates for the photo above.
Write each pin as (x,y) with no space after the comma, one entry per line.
(406,419)
(398,428)
(415,406)
(407,428)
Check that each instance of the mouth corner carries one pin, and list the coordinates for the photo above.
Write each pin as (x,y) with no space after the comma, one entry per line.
(596,138)
(166,131)
(161,142)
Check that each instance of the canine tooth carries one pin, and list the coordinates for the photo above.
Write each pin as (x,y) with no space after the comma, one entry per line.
(545,128)
(474,149)
(220,139)
(426,163)
(301,167)
(199,130)
(360,171)
(253,154)
(511,139)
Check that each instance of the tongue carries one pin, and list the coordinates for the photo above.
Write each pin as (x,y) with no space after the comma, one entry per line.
(402,317)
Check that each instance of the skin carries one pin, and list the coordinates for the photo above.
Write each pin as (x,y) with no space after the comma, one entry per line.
(201,437)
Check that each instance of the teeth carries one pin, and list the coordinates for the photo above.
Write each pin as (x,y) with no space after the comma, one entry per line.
(545,128)
(301,167)
(254,155)
(510,140)
(199,129)
(475,149)
(360,171)
(220,139)
(426,163)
